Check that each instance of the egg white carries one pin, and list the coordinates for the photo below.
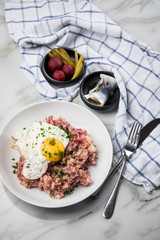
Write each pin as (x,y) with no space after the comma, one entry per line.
(29,144)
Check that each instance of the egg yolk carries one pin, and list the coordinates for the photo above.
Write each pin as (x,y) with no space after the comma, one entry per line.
(52,149)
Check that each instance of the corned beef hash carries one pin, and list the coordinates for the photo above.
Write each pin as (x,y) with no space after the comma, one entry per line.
(54,156)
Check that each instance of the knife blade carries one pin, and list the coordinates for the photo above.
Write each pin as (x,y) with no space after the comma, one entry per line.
(145,132)
(147,129)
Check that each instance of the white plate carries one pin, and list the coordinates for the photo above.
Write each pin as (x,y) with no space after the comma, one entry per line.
(77,116)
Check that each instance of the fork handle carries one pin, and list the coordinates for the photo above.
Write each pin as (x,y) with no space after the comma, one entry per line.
(109,207)
(95,195)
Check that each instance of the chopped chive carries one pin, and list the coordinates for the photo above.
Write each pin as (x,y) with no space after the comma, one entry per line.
(52,142)
(50,155)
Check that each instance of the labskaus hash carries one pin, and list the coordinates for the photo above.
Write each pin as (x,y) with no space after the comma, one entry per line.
(54,156)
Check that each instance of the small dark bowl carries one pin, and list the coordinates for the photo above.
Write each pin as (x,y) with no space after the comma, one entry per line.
(48,74)
(89,82)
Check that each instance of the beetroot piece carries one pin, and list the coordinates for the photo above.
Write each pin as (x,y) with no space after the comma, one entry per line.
(55,64)
(68,70)
(59,75)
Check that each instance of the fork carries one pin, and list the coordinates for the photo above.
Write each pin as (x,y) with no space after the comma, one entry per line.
(129,149)
(95,195)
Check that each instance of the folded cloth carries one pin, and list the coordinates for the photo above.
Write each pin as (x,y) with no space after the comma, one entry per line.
(38,26)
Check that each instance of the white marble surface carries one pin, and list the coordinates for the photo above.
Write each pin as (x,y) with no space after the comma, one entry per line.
(136,214)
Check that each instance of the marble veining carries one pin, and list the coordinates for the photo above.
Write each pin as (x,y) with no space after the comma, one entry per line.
(136,214)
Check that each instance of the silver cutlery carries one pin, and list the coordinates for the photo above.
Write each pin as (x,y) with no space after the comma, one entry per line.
(145,131)
(129,149)
(95,195)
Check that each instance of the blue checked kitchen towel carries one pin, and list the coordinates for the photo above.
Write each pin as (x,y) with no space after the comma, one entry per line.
(39,25)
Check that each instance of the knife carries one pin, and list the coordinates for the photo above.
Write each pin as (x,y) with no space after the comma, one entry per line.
(147,129)
(145,132)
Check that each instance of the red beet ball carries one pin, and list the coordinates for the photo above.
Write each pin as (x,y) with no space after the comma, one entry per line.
(55,63)
(68,70)
(59,75)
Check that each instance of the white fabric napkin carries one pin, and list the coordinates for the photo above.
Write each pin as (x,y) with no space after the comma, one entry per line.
(38,26)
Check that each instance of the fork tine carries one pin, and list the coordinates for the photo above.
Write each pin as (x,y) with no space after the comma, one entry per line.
(130,136)
(134,133)
(137,135)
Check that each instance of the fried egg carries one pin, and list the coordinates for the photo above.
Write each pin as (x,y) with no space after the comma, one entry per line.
(40,145)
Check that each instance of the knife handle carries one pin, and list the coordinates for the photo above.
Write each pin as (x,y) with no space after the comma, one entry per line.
(95,195)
